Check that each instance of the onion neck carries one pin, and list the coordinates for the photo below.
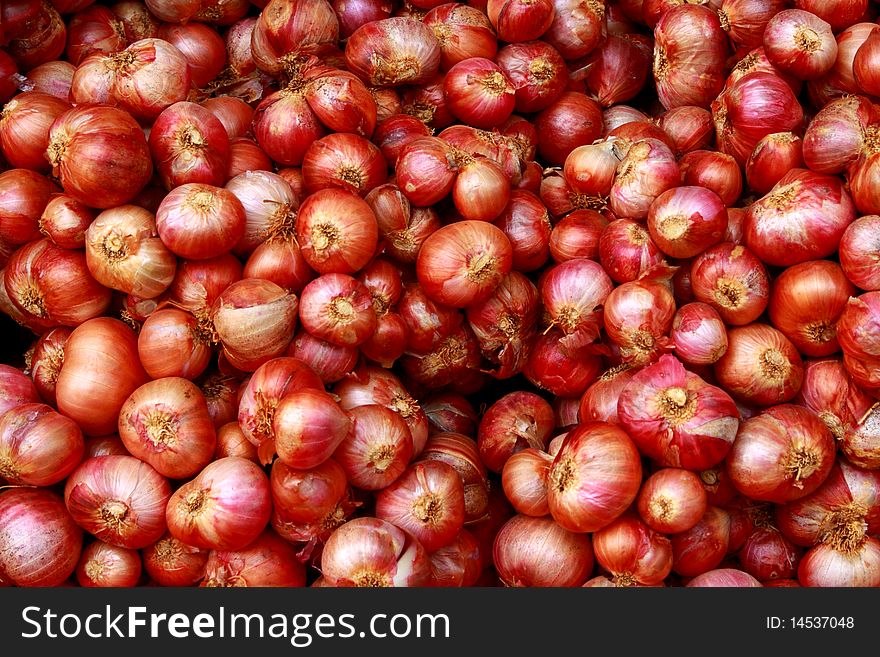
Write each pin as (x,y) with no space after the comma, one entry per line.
(845,529)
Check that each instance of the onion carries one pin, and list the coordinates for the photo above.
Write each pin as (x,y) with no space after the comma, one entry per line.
(24,196)
(572,120)
(857,327)
(269,384)
(105,565)
(339,309)
(462,31)
(638,316)
(151,74)
(330,362)
(426,170)
(343,160)
(828,565)
(24,128)
(458,564)
(561,365)
(524,480)
(137,21)
(201,46)
(170,562)
(119,499)
(221,394)
(689,56)
(715,171)
(685,221)
(733,281)
(39,542)
(231,441)
(520,20)
(270,206)
(337,231)
(53,78)
(761,366)
(308,425)
(288,29)
(627,251)
(45,365)
(782,454)
(859,252)
(165,423)
(774,156)
(393,51)
(200,221)
(648,170)
(225,507)
(479,92)
(806,302)
(371,552)
(100,370)
(462,263)
(839,13)
(377,450)
(254,319)
(38,446)
(189,145)
(268,561)
(307,495)
(174,343)
(538,552)
(672,501)
(725,577)
(835,138)
(428,501)
(768,555)
(599,401)
(595,456)
(577,235)
(198,283)
(699,334)
(573,293)
(65,221)
(704,546)
(676,418)
(800,43)
(516,421)
(633,553)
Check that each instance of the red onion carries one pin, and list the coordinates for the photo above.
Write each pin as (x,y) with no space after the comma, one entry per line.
(800,43)
(733,281)
(648,170)
(288,29)
(38,447)
(572,120)
(699,334)
(24,128)
(632,553)
(724,577)
(637,317)
(715,171)
(704,546)
(393,51)
(672,501)
(859,252)
(105,565)
(685,221)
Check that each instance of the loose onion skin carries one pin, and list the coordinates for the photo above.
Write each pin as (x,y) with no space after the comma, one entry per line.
(101,363)
(100,155)
(538,552)
(119,499)
(676,418)
(782,454)
(225,507)
(806,301)
(595,456)
(39,542)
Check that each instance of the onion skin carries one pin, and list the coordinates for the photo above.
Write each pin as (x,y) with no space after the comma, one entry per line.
(267,561)
(170,562)
(517,421)
(733,281)
(39,542)
(724,577)
(105,565)
(672,500)
(860,252)
(704,546)
(538,552)
(825,565)
(698,333)
(38,446)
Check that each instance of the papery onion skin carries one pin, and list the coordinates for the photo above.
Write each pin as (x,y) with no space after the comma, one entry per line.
(782,454)
(393,51)
(119,499)
(774,156)
(595,456)
(714,170)
(369,552)
(857,327)
(24,196)
(39,542)
(633,553)
(538,552)
(225,507)
(648,170)
(46,363)
(835,137)
(461,453)
(517,421)
(627,251)
(267,561)
(827,566)
(24,128)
